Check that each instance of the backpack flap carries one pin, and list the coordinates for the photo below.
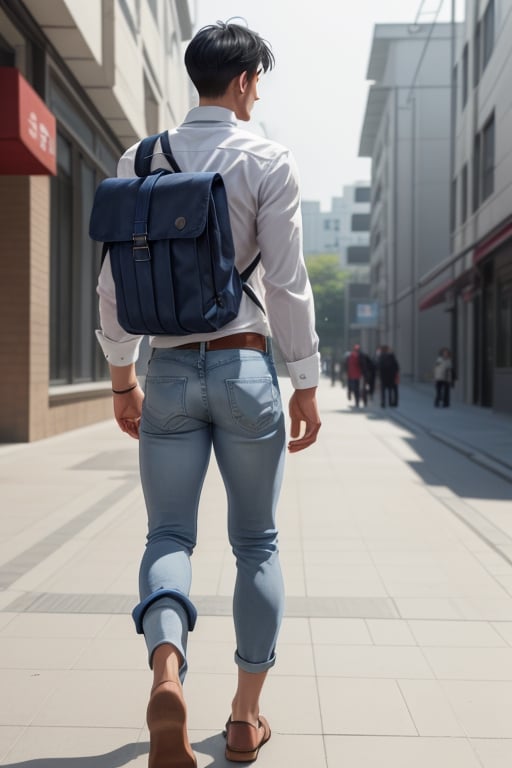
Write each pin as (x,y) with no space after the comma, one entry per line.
(176,207)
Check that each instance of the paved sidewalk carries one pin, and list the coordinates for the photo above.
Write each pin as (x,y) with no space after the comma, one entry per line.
(396,648)
(480,433)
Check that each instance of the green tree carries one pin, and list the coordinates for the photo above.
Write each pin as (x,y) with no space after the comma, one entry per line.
(328,283)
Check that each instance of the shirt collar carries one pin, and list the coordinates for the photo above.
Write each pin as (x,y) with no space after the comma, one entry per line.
(210,115)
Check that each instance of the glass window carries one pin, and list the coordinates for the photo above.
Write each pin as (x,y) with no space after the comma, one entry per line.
(488,150)
(74,268)
(455,83)
(488,37)
(464,194)
(358,254)
(465,75)
(476,53)
(60,264)
(362,194)
(476,173)
(360,222)
(453,206)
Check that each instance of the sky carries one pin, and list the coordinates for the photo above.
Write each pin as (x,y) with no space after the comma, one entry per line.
(314,100)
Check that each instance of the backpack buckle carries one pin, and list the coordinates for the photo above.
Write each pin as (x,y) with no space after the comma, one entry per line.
(140,248)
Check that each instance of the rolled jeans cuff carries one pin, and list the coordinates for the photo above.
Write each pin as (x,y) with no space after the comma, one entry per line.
(254,667)
(140,609)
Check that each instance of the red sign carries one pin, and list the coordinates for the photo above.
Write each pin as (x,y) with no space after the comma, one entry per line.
(27,128)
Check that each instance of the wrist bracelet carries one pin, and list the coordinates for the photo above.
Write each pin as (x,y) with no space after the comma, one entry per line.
(124,391)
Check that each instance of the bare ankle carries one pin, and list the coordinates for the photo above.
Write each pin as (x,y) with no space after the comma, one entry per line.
(244,713)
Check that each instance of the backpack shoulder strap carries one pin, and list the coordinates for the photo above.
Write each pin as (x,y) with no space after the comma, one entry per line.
(144,155)
(167,151)
(146,149)
(245,275)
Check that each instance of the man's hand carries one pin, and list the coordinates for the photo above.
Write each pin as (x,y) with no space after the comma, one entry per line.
(127,411)
(305,419)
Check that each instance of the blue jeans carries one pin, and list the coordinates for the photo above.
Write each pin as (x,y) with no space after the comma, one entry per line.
(196,400)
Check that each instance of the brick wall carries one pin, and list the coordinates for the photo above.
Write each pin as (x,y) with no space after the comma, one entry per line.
(27,413)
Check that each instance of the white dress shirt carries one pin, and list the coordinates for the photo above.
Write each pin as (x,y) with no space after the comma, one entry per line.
(261,182)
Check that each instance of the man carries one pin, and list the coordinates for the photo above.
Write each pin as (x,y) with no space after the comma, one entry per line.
(220,390)
(389,371)
(355,370)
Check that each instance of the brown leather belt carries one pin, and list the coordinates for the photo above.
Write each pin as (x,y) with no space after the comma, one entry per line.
(235,341)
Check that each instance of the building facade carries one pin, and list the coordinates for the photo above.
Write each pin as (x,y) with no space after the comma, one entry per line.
(406,133)
(86,80)
(344,230)
(344,226)
(475,281)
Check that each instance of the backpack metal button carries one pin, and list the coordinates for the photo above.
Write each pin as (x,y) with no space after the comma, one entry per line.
(180,222)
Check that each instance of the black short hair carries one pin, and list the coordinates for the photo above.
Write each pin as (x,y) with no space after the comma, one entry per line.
(222,51)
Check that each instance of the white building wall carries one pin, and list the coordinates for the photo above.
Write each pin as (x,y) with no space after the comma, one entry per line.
(406,131)
(129,62)
(491,95)
(331,231)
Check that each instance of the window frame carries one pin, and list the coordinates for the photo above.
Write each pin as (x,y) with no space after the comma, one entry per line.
(489,33)
(488,157)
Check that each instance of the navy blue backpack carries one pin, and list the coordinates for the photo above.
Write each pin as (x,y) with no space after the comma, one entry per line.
(171,248)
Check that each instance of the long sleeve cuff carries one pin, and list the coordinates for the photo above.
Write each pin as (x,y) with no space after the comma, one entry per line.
(119,353)
(305,373)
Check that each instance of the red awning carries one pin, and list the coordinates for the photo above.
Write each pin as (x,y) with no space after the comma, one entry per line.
(446,289)
(27,128)
(492,242)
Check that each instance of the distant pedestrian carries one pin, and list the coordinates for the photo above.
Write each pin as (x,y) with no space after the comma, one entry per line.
(389,372)
(369,374)
(444,378)
(354,366)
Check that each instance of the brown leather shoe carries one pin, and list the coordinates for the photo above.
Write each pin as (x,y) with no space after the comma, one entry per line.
(243,740)
(167,722)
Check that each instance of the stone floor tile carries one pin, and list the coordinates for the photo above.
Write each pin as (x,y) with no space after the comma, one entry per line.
(504,629)
(455,633)
(28,690)
(96,699)
(395,752)
(54,625)
(291,705)
(486,609)
(429,708)
(294,631)
(102,653)
(390,632)
(371,662)
(358,557)
(340,632)
(118,628)
(351,706)
(482,708)
(321,586)
(40,653)
(76,746)
(427,608)
(470,663)
(493,753)
(9,735)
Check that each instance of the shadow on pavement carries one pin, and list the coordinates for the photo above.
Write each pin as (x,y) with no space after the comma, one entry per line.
(115,759)
(436,463)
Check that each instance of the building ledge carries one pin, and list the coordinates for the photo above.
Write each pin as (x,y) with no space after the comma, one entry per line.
(73,393)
